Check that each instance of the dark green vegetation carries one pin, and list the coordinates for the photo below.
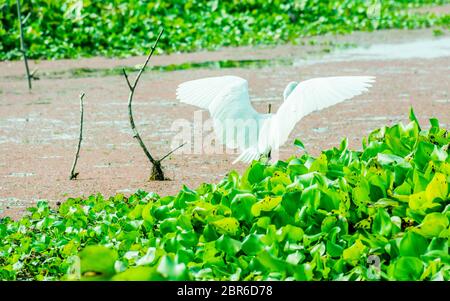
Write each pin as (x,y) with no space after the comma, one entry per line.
(73,28)
(379,213)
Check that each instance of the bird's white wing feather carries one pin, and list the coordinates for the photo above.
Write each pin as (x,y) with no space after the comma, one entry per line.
(201,92)
(248,155)
(227,99)
(309,96)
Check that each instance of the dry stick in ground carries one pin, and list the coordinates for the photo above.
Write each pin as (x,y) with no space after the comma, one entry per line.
(157,172)
(22,45)
(73,174)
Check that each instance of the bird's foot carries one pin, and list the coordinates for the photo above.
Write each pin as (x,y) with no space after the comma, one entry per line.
(264,159)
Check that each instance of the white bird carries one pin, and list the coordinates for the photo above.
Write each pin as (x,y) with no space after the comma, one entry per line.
(238,125)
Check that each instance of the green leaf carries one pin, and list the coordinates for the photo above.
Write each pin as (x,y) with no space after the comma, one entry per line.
(361,193)
(280,178)
(146,213)
(404,189)
(320,164)
(271,263)
(335,250)
(169,225)
(188,239)
(423,154)
(437,188)
(420,201)
(299,144)
(227,225)
(170,269)
(433,224)
(185,196)
(228,245)
(255,173)
(303,272)
(292,233)
(439,154)
(382,223)
(252,245)
(97,262)
(136,213)
(408,268)
(413,244)
(354,253)
(70,248)
(295,258)
(148,258)
(139,274)
(267,204)
(241,206)
(412,117)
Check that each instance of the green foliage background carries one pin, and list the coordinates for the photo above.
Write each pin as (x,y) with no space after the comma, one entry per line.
(381,213)
(74,28)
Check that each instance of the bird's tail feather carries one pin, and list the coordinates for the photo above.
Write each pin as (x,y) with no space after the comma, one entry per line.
(248,155)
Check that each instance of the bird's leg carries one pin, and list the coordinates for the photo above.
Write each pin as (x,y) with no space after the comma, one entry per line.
(265,158)
(269,110)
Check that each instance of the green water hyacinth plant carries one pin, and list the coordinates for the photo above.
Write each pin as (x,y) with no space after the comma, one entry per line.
(380,213)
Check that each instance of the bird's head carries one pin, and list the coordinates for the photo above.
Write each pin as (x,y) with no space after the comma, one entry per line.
(289,88)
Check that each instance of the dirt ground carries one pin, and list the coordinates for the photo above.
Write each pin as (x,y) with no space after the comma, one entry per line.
(39,129)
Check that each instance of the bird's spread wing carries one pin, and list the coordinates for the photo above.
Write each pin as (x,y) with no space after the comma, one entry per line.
(309,96)
(228,101)
(202,92)
(248,155)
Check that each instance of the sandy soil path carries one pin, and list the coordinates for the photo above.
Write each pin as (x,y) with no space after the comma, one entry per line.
(38,129)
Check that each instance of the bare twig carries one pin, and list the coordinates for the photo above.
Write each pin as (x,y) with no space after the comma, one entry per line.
(73,174)
(33,74)
(148,59)
(172,151)
(157,173)
(128,81)
(22,45)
